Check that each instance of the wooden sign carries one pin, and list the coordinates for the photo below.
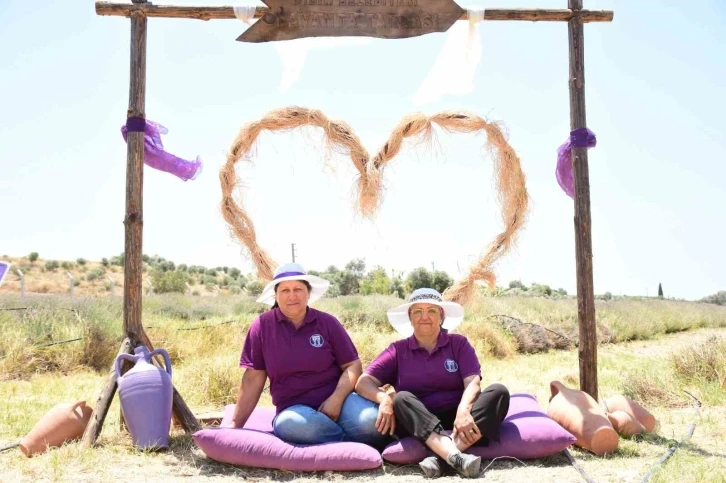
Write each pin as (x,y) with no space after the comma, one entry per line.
(389,19)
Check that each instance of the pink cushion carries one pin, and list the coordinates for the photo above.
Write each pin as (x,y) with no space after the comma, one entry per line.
(255,445)
(527,433)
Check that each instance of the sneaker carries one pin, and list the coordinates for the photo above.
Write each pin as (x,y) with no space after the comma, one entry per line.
(466,464)
(431,467)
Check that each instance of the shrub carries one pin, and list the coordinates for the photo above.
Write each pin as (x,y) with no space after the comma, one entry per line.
(517,284)
(81,261)
(168,281)
(67,265)
(234,288)
(33,256)
(95,274)
(254,288)
(104,262)
(541,290)
(703,362)
(234,272)
(718,298)
(51,265)
(211,272)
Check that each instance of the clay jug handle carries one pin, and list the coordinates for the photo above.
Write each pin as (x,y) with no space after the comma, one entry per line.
(78,404)
(555,388)
(123,357)
(167,360)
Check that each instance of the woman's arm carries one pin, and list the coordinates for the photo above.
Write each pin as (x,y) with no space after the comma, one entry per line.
(464,426)
(472,388)
(369,388)
(250,389)
(351,372)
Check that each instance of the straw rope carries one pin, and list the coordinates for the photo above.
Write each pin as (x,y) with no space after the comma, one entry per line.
(340,138)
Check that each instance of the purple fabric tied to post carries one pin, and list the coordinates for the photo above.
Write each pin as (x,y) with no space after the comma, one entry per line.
(154,154)
(579,138)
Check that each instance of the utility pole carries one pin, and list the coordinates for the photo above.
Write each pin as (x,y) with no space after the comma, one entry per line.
(293,252)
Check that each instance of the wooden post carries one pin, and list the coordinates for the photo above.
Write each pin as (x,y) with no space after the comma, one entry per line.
(22,283)
(100,409)
(135,181)
(133,283)
(587,348)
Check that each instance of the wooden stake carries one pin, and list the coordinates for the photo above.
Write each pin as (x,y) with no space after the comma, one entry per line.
(226,12)
(181,411)
(587,348)
(135,181)
(100,409)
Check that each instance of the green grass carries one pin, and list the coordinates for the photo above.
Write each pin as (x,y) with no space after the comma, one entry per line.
(98,322)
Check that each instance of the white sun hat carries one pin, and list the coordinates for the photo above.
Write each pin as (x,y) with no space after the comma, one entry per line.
(398,316)
(293,271)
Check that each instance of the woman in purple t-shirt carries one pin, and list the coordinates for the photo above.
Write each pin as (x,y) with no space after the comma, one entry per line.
(437,379)
(312,364)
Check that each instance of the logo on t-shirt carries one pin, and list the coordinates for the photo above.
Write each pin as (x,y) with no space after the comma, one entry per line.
(316,340)
(451,365)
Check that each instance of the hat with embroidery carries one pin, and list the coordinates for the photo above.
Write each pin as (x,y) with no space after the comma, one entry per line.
(399,316)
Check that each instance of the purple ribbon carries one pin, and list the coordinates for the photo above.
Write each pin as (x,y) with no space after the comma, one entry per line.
(579,138)
(287,274)
(135,124)
(154,154)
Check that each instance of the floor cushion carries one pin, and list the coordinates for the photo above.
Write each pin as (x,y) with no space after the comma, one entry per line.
(527,433)
(256,445)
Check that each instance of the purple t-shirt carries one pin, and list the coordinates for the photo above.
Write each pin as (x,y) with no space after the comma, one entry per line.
(303,364)
(437,379)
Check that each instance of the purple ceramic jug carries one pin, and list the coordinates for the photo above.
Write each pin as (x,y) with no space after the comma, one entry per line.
(145,392)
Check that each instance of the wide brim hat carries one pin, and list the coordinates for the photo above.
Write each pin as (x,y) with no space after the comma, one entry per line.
(293,271)
(398,316)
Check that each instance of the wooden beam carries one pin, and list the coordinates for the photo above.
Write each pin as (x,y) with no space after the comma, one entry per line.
(133,220)
(181,411)
(587,347)
(100,409)
(225,12)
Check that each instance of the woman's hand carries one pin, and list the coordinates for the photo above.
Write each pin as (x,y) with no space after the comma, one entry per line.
(386,420)
(332,406)
(465,427)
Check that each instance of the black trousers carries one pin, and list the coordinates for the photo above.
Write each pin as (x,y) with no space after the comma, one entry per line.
(414,419)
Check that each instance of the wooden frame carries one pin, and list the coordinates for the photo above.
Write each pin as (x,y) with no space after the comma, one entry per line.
(139,10)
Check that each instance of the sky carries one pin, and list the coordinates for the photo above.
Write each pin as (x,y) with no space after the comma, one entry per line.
(655,83)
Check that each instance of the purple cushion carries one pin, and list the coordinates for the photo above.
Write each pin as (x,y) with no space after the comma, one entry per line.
(527,433)
(255,445)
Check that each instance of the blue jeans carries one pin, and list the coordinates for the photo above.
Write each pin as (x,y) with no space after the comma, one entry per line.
(304,425)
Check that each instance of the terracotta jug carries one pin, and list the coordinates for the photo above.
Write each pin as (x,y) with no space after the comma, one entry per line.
(579,414)
(625,404)
(64,422)
(625,424)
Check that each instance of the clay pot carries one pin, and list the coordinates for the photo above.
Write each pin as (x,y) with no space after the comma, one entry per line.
(64,422)
(625,424)
(625,404)
(580,414)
